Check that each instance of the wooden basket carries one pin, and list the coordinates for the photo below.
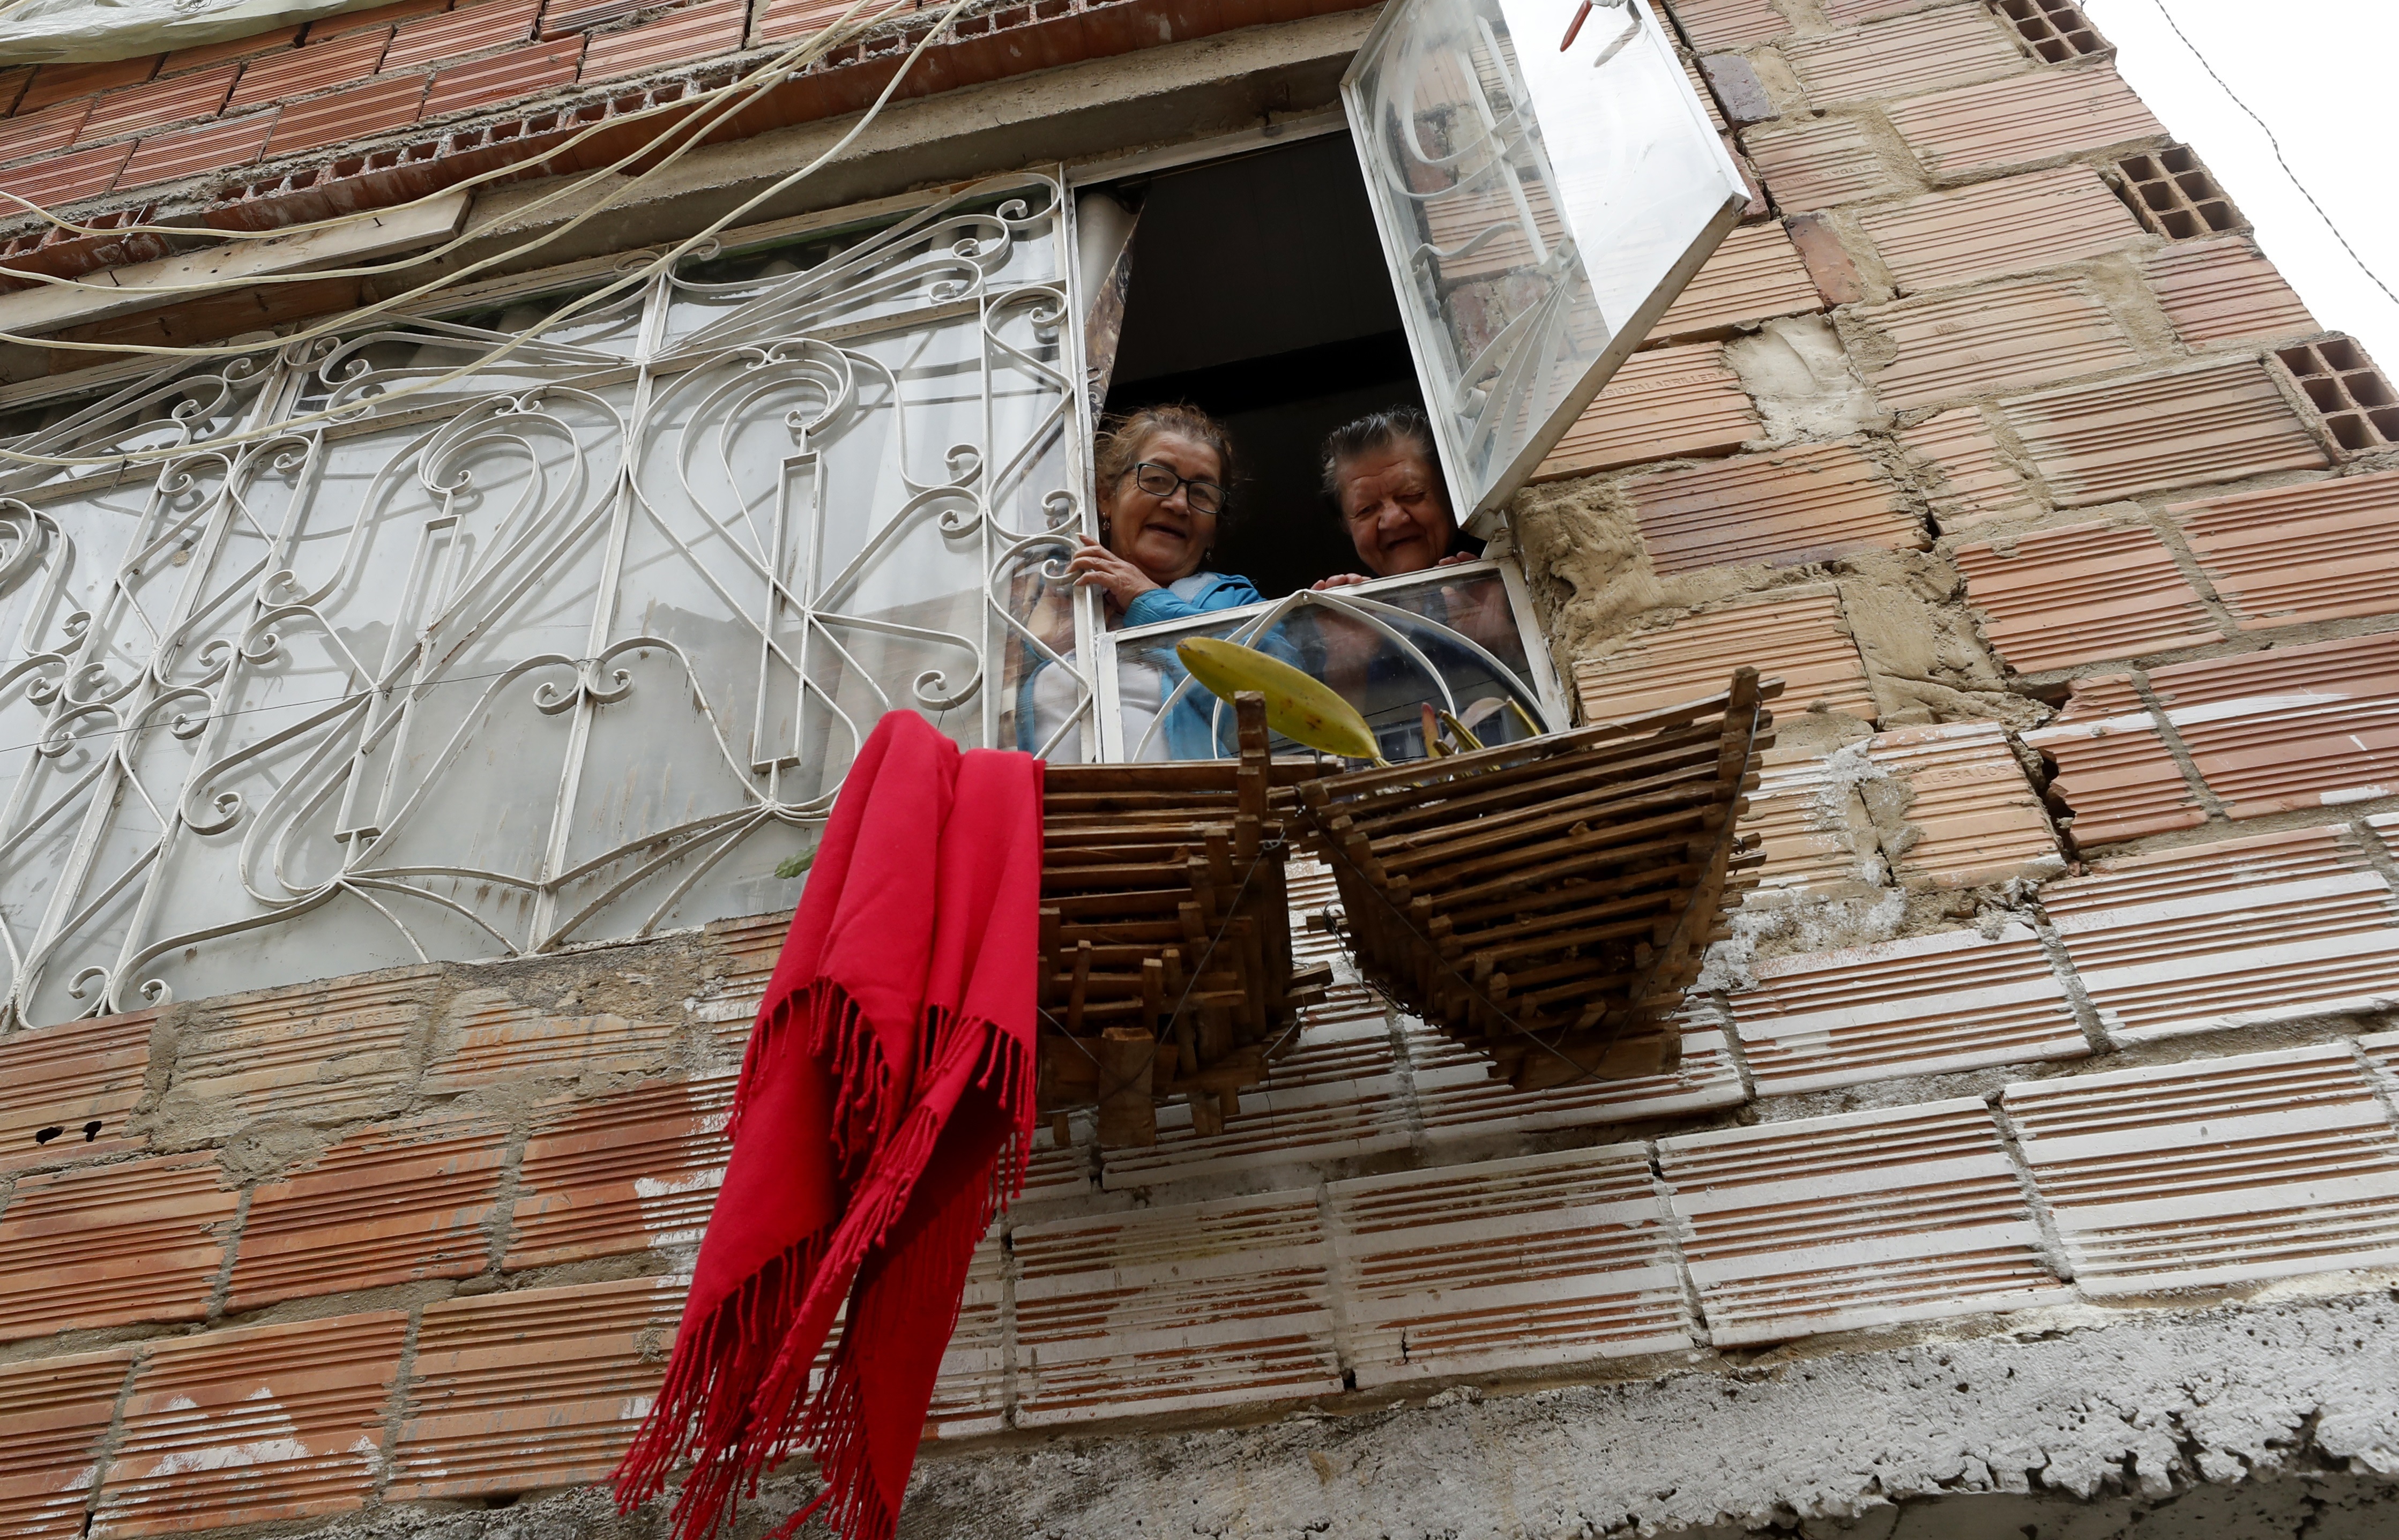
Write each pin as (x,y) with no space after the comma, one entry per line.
(1166,962)
(1548,902)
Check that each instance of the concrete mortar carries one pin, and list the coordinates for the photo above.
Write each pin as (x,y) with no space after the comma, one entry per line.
(2147,1410)
(1804,381)
(2243,1422)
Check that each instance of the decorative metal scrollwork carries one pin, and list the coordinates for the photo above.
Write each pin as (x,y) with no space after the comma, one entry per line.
(575,646)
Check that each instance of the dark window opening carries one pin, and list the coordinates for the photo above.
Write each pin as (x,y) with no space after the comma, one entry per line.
(1259,294)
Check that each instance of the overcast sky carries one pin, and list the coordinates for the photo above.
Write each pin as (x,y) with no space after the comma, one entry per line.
(2323,74)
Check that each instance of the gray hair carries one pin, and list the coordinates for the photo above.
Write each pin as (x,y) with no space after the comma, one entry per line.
(1373,432)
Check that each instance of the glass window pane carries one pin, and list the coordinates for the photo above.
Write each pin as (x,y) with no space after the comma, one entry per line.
(1539,207)
(1453,641)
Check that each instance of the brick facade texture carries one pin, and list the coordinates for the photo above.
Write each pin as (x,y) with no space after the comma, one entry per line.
(2066,523)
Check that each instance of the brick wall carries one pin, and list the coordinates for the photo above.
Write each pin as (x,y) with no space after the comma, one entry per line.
(2067,998)
(375,107)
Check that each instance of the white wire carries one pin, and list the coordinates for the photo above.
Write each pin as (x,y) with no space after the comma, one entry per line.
(781,61)
(638,275)
(2276,145)
(698,126)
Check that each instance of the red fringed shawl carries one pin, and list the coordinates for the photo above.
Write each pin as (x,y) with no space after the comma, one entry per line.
(883,1110)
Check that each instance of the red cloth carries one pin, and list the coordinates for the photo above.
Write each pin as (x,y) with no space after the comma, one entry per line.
(885,1106)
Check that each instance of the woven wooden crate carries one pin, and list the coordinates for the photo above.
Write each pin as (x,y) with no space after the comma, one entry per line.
(1166,961)
(1548,902)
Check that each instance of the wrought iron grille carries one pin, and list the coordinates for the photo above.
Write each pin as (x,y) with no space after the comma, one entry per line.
(571,648)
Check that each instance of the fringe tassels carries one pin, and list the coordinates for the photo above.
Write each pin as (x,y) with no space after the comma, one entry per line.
(736,1402)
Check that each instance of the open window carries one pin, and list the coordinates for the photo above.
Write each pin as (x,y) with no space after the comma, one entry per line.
(553,612)
(1523,187)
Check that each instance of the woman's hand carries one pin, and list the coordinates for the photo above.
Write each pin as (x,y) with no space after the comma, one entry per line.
(1095,566)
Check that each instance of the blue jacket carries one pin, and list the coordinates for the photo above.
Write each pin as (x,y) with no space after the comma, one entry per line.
(1187,726)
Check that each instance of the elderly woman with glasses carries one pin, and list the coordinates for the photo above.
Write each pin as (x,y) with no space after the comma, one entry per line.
(1161,474)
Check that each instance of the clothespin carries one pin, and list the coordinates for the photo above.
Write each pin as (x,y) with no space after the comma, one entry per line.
(1580,16)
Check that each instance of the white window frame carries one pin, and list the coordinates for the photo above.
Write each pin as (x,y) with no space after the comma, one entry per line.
(1540,682)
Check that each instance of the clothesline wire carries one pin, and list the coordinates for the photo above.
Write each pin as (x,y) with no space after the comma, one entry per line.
(2276,145)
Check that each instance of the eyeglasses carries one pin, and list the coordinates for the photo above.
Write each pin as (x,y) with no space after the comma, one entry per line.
(1160,481)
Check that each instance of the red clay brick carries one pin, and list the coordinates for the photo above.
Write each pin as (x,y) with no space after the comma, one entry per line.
(1729,23)
(519,72)
(252,1425)
(2357,402)
(1814,165)
(1843,12)
(58,180)
(1699,88)
(318,1053)
(388,1205)
(77,1082)
(2315,726)
(2114,770)
(2055,598)
(539,1387)
(488,1038)
(2175,196)
(1802,630)
(12,86)
(215,147)
(53,1414)
(380,16)
(2217,422)
(1916,53)
(2022,119)
(1754,275)
(565,18)
(162,104)
(1732,83)
(626,1174)
(783,21)
(63,82)
(1807,503)
(697,32)
(1976,481)
(1828,262)
(2018,225)
(2053,31)
(39,133)
(2219,290)
(2327,550)
(369,109)
(470,29)
(2029,331)
(112,1246)
(1665,403)
(319,66)
(183,59)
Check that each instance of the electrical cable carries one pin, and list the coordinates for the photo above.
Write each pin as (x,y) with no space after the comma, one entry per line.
(638,275)
(2276,145)
(694,127)
(780,63)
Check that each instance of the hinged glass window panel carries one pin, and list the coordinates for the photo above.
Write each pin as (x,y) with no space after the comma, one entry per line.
(1460,639)
(1543,186)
